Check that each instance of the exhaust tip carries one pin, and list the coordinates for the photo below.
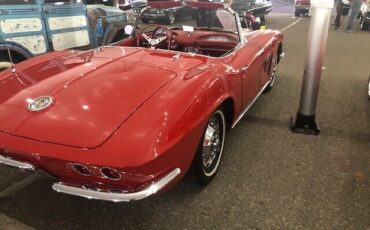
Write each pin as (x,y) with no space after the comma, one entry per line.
(110,173)
(81,169)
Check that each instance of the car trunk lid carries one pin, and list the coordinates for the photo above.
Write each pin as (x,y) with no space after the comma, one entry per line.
(92,95)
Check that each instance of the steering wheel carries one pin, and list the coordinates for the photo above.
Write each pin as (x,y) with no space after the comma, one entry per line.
(159,34)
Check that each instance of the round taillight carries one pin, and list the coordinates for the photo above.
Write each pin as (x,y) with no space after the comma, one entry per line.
(81,169)
(110,173)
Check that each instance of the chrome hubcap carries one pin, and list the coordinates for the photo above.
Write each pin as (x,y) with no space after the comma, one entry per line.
(212,143)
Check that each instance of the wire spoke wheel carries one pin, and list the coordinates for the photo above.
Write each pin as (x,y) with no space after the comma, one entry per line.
(210,148)
(274,64)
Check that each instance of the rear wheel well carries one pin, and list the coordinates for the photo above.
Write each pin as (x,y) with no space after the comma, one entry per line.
(228,109)
(280,51)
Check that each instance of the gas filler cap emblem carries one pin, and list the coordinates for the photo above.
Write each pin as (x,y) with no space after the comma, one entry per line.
(40,103)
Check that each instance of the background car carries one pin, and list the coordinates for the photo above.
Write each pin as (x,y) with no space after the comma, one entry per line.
(302,7)
(126,121)
(167,14)
(33,27)
(365,16)
(257,8)
(137,6)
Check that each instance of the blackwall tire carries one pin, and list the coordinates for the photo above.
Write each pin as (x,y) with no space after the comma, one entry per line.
(210,149)
(263,19)
(297,13)
(363,24)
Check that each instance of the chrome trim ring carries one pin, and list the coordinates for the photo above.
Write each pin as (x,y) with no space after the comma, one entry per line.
(118,197)
(18,164)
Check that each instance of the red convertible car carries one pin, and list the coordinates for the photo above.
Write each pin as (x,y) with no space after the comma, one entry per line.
(127,121)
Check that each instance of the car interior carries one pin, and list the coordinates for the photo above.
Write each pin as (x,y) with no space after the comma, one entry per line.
(205,35)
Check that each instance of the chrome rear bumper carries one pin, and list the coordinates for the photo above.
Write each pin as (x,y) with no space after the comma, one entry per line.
(18,164)
(99,194)
(114,196)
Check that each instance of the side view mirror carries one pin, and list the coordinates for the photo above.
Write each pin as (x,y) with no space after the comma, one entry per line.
(128,29)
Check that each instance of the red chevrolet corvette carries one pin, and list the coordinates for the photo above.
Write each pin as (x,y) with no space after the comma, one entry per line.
(127,121)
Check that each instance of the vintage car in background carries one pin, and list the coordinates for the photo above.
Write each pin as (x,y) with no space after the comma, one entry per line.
(252,13)
(127,121)
(168,14)
(137,6)
(302,7)
(365,16)
(33,27)
(132,8)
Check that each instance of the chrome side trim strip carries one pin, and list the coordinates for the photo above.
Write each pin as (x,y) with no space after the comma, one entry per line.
(118,197)
(10,162)
(250,104)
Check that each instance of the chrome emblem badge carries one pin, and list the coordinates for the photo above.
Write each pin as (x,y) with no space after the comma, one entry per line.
(40,103)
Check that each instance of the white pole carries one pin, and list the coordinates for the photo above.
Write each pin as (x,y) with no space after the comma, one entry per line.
(317,38)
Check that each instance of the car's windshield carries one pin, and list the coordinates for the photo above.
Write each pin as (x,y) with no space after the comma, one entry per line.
(197,16)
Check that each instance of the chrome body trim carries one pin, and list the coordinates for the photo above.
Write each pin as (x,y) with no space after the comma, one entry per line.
(250,104)
(118,197)
(10,162)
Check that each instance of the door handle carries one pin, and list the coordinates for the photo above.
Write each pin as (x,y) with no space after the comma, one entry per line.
(46,11)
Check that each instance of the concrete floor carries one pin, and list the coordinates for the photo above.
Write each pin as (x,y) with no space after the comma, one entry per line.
(270,178)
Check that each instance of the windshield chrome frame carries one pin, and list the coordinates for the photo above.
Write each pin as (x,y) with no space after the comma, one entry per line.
(242,39)
(238,24)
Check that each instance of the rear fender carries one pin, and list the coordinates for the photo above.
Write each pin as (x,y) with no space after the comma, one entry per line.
(182,110)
